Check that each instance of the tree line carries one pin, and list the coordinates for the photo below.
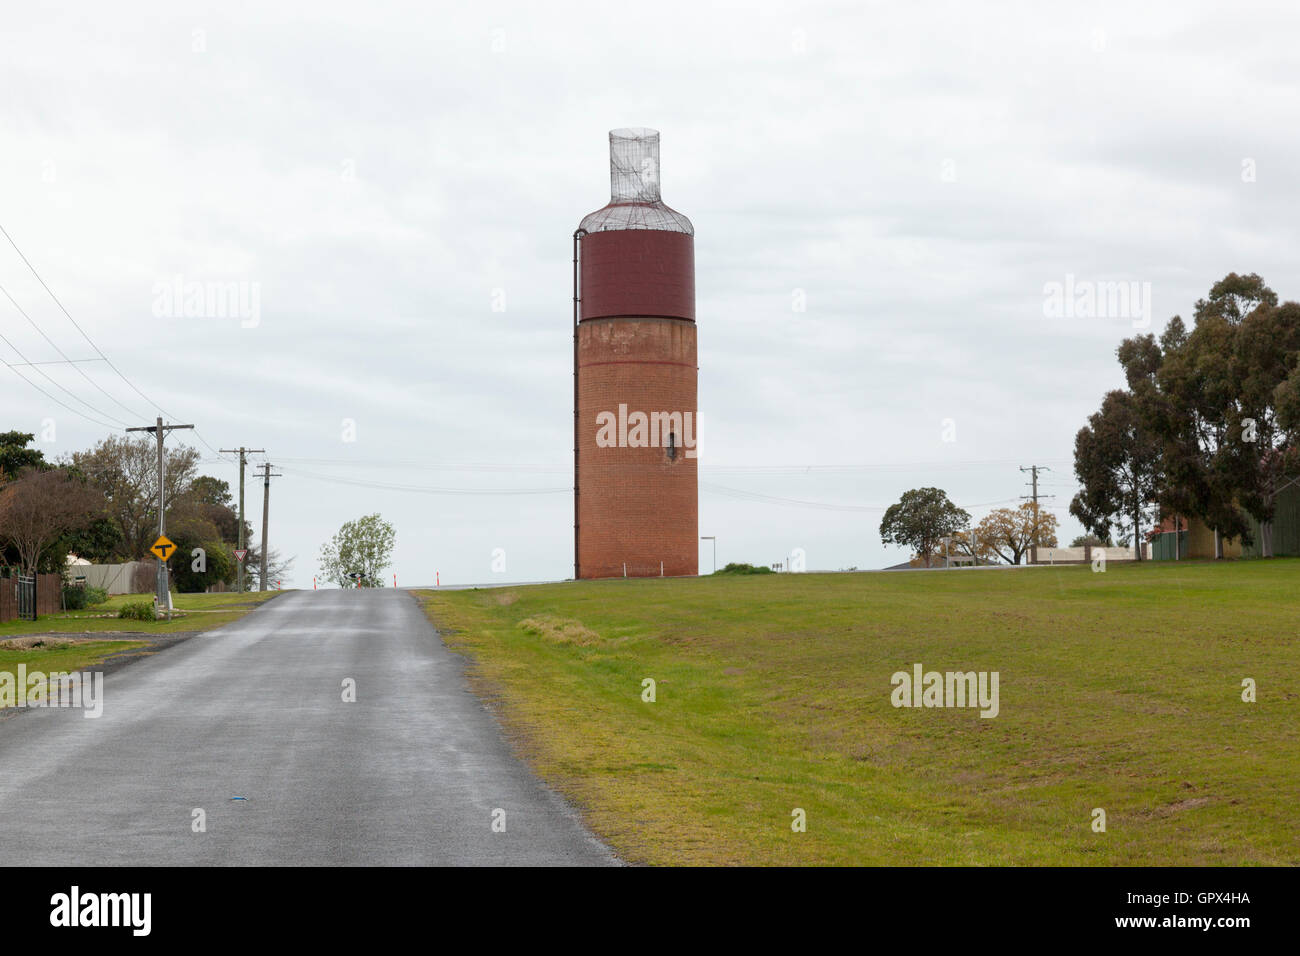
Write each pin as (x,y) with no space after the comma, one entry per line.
(927,522)
(101,505)
(1208,427)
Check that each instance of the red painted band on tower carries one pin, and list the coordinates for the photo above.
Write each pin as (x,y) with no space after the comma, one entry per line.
(638,272)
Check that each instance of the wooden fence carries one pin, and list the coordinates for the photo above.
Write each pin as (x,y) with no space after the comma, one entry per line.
(49,596)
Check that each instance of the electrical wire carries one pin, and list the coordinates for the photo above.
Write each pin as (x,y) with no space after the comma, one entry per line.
(63,355)
(425,464)
(54,399)
(722,490)
(742,495)
(390,486)
(14,368)
(98,350)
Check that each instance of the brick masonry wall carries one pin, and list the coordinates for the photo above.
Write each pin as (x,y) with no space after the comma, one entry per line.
(636,505)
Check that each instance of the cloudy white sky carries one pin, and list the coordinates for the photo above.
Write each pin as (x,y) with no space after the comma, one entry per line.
(377,172)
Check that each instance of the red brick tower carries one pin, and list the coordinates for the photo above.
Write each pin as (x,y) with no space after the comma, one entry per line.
(636,496)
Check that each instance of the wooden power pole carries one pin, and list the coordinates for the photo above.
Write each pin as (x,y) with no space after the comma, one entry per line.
(1033,545)
(266,510)
(243,545)
(160,430)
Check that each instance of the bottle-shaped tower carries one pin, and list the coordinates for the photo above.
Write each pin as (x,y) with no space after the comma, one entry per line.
(636,495)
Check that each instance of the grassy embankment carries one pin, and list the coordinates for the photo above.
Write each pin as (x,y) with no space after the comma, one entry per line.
(1120,690)
(79,639)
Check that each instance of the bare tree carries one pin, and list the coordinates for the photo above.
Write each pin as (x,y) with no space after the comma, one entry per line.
(277,569)
(38,509)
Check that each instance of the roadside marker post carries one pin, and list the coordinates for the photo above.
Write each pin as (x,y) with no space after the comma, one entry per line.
(162,550)
(159,430)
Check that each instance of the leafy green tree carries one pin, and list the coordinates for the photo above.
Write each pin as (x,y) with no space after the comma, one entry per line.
(207,501)
(362,549)
(1234,297)
(1262,454)
(1117,460)
(217,563)
(1220,400)
(15,455)
(1195,408)
(126,471)
(210,491)
(920,519)
(97,542)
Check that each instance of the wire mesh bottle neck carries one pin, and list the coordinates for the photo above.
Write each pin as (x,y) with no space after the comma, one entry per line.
(634,165)
(635,201)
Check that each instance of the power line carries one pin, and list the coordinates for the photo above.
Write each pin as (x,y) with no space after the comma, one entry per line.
(722,490)
(58,362)
(425,464)
(74,397)
(56,401)
(423,489)
(74,322)
(63,355)
(91,342)
(743,495)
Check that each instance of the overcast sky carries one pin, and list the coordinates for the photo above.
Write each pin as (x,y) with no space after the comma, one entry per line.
(382,178)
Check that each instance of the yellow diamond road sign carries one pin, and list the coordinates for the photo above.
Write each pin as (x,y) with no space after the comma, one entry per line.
(163,548)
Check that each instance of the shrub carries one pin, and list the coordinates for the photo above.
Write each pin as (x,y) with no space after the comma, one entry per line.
(74,598)
(95,596)
(741,568)
(137,611)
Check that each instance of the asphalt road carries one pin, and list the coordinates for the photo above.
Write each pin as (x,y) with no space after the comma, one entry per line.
(409,774)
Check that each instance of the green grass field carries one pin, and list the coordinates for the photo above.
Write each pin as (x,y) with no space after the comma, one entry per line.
(55,657)
(1120,690)
(76,640)
(195,612)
